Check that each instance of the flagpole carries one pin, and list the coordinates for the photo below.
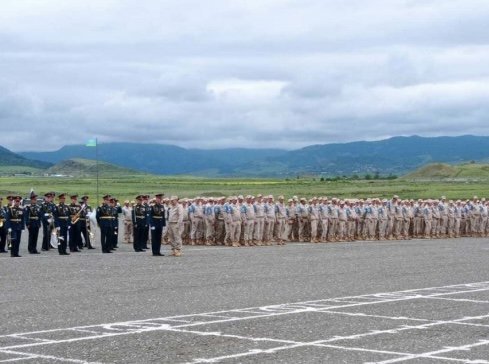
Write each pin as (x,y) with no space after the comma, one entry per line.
(96,167)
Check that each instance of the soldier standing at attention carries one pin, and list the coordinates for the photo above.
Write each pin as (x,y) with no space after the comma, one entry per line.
(3,227)
(281,221)
(104,217)
(157,222)
(15,225)
(32,216)
(48,209)
(127,218)
(62,224)
(210,222)
(259,220)
(85,229)
(175,225)
(74,224)
(140,222)
(314,220)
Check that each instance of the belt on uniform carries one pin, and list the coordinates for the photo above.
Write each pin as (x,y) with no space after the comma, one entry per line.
(157,217)
(63,217)
(15,220)
(173,222)
(34,218)
(140,217)
(107,217)
(82,219)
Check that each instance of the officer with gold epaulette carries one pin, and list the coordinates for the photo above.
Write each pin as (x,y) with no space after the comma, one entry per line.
(140,223)
(156,222)
(15,225)
(74,224)
(116,210)
(32,216)
(48,210)
(62,222)
(104,220)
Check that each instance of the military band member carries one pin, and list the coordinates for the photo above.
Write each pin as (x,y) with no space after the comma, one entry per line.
(74,225)
(146,232)
(115,211)
(48,209)
(3,227)
(32,216)
(15,225)
(61,218)
(85,227)
(156,222)
(104,217)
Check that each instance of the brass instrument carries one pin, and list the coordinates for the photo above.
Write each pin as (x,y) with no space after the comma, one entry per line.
(76,217)
(1,223)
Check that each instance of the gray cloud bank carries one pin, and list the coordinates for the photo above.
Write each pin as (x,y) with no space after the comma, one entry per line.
(215,74)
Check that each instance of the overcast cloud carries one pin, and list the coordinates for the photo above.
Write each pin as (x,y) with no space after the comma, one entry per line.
(247,73)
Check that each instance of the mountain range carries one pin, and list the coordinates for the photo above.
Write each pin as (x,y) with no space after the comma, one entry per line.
(397,155)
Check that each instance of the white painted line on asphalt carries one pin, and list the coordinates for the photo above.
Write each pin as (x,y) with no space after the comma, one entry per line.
(457,299)
(29,356)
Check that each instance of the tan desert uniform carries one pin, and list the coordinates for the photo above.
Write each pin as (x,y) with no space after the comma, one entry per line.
(259,220)
(236,216)
(398,220)
(324,221)
(127,218)
(418,220)
(220,229)
(383,220)
(290,209)
(210,221)
(228,223)
(351,224)
(269,221)
(428,219)
(451,219)
(436,220)
(302,214)
(314,220)
(391,218)
(370,222)
(280,217)
(187,225)
(458,210)
(483,220)
(342,220)
(175,221)
(248,218)
(443,224)
(196,215)
(407,212)
(333,221)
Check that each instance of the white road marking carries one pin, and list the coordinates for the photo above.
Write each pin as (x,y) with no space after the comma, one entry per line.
(28,356)
(179,323)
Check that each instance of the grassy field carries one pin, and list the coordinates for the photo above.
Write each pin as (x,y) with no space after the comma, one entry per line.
(129,187)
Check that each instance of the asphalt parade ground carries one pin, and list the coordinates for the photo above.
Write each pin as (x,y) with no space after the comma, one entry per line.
(417,301)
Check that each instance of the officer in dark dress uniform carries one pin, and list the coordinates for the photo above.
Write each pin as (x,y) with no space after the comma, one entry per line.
(48,211)
(62,217)
(15,225)
(74,224)
(146,232)
(140,223)
(3,227)
(85,223)
(157,222)
(33,216)
(104,220)
(114,231)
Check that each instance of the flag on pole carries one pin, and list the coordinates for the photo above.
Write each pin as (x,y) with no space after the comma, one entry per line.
(91,143)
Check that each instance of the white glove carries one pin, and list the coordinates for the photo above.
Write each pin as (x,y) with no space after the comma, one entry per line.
(58,229)
(46,215)
(153,228)
(9,230)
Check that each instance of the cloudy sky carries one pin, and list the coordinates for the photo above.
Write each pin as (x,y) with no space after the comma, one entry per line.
(248,73)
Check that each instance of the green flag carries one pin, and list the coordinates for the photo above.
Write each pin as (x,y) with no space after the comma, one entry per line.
(91,143)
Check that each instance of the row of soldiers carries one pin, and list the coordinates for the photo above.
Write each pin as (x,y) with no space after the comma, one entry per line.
(234,221)
(62,224)
(247,221)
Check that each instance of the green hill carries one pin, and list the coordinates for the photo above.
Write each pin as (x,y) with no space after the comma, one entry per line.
(88,168)
(12,163)
(442,171)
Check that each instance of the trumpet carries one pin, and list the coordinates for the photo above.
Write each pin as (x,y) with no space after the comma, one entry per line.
(76,217)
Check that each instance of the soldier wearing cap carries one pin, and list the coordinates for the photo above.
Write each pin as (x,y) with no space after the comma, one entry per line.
(15,225)
(383,217)
(127,218)
(140,223)
(3,227)
(157,221)
(61,220)
(196,216)
(32,216)
(259,209)
(115,211)
(146,231)
(104,217)
(280,218)
(236,217)
(85,227)
(175,225)
(74,225)
(48,209)
(210,222)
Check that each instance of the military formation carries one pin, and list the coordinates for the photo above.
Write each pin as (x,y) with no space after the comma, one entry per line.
(231,221)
